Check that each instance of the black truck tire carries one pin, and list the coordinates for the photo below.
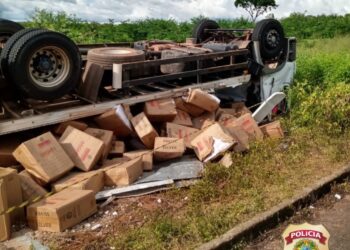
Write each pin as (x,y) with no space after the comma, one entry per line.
(5,53)
(270,34)
(44,65)
(7,29)
(199,30)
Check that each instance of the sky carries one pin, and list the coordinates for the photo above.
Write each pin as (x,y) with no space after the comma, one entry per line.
(122,10)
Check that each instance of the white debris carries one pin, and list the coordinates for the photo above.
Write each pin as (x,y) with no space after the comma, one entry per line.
(159,201)
(97,226)
(312,207)
(114,213)
(87,225)
(186,198)
(337,196)
(107,212)
(112,248)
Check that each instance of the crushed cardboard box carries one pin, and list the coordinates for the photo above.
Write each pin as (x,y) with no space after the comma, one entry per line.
(84,149)
(203,100)
(211,142)
(187,107)
(92,180)
(240,109)
(115,120)
(204,120)
(162,110)
(181,132)
(104,135)
(44,158)
(118,149)
(248,123)
(123,174)
(62,210)
(166,148)
(182,118)
(60,128)
(30,189)
(146,155)
(144,130)
(273,130)
(225,119)
(241,137)
(10,196)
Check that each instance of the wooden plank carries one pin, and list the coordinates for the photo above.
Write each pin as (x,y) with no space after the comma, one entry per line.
(36,121)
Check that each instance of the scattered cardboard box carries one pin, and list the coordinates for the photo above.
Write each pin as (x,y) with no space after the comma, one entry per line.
(84,149)
(162,110)
(240,109)
(30,189)
(61,210)
(241,136)
(225,119)
(226,161)
(123,174)
(166,148)
(144,130)
(93,180)
(227,111)
(60,128)
(211,142)
(115,120)
(182,118)
(203,100)
(181,132)
(187,107)
(248,123)
(6,148)
(118,149)
(44,158)
(146,155)
(273,130)
(204,120)
(10,196)
(104,135)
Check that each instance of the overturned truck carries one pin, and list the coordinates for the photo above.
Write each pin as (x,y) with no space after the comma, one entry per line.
(46,78)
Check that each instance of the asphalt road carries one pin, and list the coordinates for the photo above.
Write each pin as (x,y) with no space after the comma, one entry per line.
(335,217)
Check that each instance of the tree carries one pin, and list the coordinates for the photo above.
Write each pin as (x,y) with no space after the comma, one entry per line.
(255,8)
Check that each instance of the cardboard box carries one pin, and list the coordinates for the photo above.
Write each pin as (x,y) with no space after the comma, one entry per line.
(44,158)
(123,174)
(181,132)
(84,149)
(6,149)
(5,223)
(61,210)
(104,135)
(249,125)
(203,100)
(166,148)
(146,155)
(204,120)
(115,120)
(241,136)
(93,180)
(211,142)
(227,111)
(118,149)
(60,128)
(162,110)
(187,107)
(224,119)
(240,109)
(30,189)
(182,118)
(273,130)
(10,196)
(144,130)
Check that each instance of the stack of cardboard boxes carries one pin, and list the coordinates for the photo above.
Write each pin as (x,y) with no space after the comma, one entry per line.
(78,160)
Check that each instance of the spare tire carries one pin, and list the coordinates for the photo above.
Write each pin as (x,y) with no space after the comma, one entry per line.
(109,55)
(199,30)
(270,34)
(7,29)
(44,65)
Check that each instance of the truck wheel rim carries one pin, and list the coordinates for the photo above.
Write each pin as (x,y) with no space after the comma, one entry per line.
(49,66)
(273,39)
